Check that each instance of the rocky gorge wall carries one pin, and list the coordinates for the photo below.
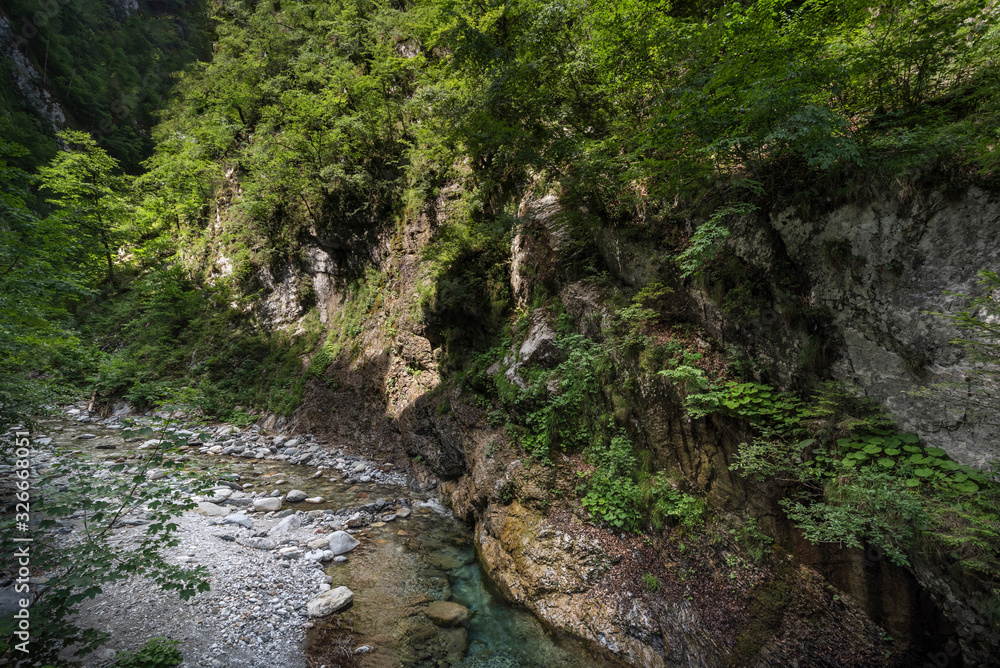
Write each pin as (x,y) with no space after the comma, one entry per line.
(882,270)
(873,270)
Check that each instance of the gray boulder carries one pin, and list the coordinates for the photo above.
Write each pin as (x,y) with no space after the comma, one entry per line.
(330,602)
(267,504)
(295,496)
(341,542)
(258,543)
(239,519)
(211,510)
(285,526)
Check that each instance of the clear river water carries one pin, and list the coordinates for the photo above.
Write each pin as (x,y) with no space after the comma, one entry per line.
(400,567)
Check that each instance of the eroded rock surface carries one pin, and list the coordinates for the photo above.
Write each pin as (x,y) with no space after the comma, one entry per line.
(554,573)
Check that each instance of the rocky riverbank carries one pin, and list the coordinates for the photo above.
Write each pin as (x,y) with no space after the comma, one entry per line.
(264,547)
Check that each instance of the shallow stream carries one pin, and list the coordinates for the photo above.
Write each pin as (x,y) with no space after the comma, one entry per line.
(400,568)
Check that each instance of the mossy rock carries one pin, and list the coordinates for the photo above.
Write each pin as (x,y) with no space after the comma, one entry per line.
(765,612)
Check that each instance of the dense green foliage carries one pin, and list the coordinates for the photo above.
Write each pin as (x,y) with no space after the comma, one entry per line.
(44,271)
(325,123)
(858,482)
(166,331)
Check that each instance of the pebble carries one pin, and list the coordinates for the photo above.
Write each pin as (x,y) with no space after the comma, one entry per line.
(234,623)
(286,564)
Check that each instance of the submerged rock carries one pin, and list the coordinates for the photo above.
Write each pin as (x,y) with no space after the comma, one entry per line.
(330,602)
(445,562)
(448,613)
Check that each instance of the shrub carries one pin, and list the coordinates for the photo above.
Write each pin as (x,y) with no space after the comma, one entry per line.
(612,495)
(158,652)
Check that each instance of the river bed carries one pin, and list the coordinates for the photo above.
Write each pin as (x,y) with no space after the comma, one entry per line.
(400,567)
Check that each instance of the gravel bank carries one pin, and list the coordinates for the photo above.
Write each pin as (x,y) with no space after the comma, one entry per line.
(265,560)
(254,614)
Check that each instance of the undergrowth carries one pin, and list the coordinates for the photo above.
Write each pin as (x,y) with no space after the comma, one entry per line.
(858,481)
(362,301)
(578,406)
(166,331)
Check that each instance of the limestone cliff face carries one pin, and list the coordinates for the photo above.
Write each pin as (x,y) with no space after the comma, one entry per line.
(874,271)
(882,271)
